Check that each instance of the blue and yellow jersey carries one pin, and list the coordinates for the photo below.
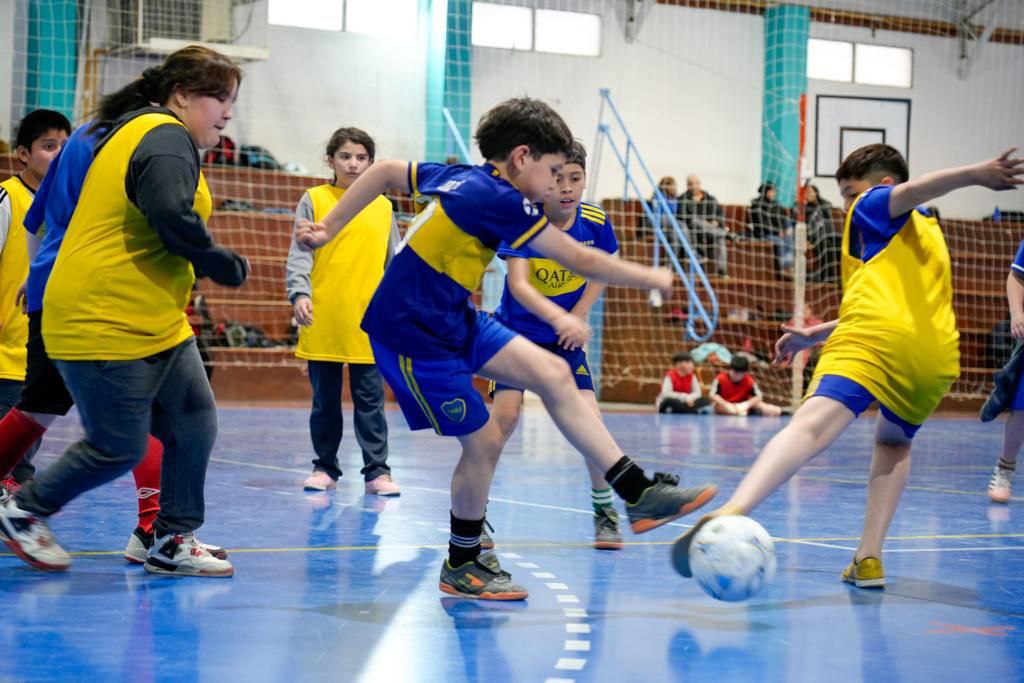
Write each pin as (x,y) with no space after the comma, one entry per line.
(422,307)
(1017,267)
(592,228)
(897,333)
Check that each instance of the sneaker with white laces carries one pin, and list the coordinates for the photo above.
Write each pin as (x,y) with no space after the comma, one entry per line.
(30,538)
(319,481)
(183,555)
(1000,487)
(141,541)
(383,485)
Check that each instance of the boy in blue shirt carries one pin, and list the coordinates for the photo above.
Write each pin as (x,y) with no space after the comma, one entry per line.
(429,341)
(548,304)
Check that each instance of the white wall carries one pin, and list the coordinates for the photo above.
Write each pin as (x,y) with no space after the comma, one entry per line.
(689,90)
(952,121)
(6,66)
(318,81)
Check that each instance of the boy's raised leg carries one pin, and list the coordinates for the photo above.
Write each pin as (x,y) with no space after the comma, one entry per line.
(817,423)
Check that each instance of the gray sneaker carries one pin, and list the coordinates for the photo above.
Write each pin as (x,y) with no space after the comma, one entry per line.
(486,541)
(665,501)
(481,579)
(606,530)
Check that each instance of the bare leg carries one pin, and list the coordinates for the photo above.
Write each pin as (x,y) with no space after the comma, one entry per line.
(471,480)
(768,410)
(1013,436)
(817,423)
(890,467)
(505,411)
(523,364)
(597,480)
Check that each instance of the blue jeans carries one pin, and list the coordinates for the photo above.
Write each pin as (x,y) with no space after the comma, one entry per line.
(326,423)
(120,402)
(784,250)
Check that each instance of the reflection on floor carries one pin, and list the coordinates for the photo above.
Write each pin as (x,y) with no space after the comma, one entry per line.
(343,587)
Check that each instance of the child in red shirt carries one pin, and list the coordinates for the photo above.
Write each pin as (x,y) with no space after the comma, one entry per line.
(681,390)
(736,393)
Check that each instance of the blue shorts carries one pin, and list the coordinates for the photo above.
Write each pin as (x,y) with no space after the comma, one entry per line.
(577,360)
(857,399)
(438,393)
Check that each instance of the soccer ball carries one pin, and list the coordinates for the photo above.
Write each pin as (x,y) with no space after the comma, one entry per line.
(732,558)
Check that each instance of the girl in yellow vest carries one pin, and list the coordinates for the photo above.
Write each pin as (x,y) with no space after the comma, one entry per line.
(114,313)
(895,342)
(329,290)
(41,134)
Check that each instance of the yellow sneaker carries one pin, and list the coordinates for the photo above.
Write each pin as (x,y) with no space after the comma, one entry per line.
(868,573)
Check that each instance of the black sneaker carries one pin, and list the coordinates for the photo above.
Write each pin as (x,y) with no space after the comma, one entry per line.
(481,579)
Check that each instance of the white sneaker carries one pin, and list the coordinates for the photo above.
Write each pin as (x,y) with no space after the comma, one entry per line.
(182,555)
(1001,485)
(30,538)
(140,542)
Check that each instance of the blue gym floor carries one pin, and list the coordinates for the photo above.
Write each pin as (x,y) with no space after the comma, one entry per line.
(343,587)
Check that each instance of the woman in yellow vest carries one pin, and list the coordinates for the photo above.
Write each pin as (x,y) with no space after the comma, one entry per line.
(337,282)
(113,313)
(41,134)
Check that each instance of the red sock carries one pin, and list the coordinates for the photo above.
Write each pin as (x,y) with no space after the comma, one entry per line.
(18,433)
(147,483)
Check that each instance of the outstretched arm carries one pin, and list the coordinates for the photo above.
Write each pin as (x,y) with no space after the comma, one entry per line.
(1001,173)
(595,264)
(383,175)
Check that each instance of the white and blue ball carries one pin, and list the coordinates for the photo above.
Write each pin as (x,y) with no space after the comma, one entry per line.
(732,558)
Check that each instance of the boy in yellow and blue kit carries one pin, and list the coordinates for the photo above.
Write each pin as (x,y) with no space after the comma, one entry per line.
(548,304)
(895,342)
(429,340)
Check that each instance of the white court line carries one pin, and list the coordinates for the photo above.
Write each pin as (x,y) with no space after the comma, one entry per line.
(575,612)
(559,680)
(555,586)
(565,597)
(528,565)
(543,575)
(512,556)
(577,645)
(567,664)
(577,628)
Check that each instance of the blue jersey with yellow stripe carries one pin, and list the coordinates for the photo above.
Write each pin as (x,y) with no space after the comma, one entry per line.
(422,306)
(559,284)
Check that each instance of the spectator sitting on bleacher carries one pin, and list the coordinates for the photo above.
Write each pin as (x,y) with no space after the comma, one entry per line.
(670,190)
(822,235)
(704,220)
(681,390)
(769,222)
(735,392)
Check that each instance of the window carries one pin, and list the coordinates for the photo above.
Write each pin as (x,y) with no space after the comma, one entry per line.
(830,60)
(879,65)
(321,14)
(833,60)
(568,33)
(502,26)
(395,18)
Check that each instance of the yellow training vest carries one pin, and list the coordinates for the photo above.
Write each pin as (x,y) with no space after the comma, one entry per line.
(13,272)
(897,333)
(116,293)
(345,275)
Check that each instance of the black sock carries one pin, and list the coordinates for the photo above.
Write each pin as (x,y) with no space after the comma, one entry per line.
(464,541)
(628,479)
(1009,466)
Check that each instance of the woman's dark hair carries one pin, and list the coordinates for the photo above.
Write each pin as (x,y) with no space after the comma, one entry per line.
(522,121)
(764,188)
(356,135)
(192,70)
